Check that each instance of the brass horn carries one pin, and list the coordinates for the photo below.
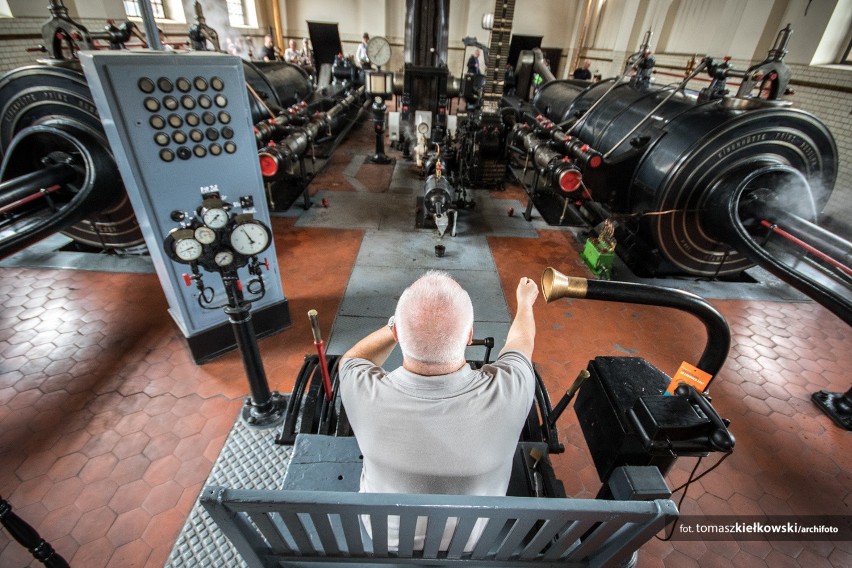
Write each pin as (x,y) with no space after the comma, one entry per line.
(556,285)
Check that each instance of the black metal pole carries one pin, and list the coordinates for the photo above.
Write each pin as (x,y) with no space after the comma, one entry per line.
(264,408)
(23,186)
(29,537)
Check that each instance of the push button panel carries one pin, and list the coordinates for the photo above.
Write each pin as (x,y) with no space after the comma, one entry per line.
(200,92)
(180,127)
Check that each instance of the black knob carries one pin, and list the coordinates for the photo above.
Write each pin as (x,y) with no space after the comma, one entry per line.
(177,215)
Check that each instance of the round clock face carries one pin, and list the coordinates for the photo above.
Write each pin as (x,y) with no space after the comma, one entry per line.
(378,50)
(187,249)
(250,238)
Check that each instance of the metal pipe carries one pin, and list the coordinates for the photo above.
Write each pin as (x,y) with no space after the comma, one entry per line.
(16,189)
(152,34)
(556,285)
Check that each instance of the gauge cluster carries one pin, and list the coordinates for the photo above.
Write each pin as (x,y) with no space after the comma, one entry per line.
(216,236)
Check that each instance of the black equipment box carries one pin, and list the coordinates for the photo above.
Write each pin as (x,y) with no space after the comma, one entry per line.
(614,386)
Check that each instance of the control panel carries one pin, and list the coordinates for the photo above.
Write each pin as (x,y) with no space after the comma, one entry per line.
(181,133)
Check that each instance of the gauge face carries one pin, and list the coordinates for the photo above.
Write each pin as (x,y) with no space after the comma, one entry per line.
(378,50)
(187,249)
(215,218)
(205,235)
(250,238)
(423,128)
(223,258)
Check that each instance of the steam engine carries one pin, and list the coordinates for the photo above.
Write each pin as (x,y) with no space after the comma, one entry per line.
(58,172)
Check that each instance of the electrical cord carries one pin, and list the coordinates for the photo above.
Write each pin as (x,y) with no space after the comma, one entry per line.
(685,488)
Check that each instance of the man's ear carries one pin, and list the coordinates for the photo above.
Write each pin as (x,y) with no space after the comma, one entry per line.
(393,331)
(470,337)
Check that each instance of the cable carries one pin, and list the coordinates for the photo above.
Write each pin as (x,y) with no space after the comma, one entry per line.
(685,488)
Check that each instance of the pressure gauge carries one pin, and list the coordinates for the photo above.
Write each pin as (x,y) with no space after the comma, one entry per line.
(423,128)
(250,238)
(205,235)
(215,218)
(378,50)
(223,258)
(187,250)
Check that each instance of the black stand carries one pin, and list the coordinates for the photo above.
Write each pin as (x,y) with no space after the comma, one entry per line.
(29,538)
(378,109)
(263,409)
(837,405)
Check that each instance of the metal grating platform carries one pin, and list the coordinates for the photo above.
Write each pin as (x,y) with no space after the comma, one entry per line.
(250,459)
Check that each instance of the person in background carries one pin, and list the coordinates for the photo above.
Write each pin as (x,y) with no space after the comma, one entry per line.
(306,53)
(291,54)
(473,63)
(583,72)
(269,52)
(361,55)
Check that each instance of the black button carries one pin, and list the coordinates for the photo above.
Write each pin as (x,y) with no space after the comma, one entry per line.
(201,83)
(196,135)
(192,119)
(161,138)
(212,134)
(179,137)
(224,117)
(204,101)
(152,104)
(199,151)
(146,85)
(208,118)
(220,101)
(230,147)
(227,133)
(157,121)
(215,149)
(217,84)
(184,153)
(170,103)
(167,155)
(175,121)
(187,102)
(183,84)
(165,85)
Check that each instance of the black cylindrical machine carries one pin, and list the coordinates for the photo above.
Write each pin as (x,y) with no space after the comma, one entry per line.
(678,171)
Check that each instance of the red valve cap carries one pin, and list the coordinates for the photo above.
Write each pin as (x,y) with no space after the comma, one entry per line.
(187,279)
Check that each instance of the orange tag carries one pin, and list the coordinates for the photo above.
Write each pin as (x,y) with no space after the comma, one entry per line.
(690,375)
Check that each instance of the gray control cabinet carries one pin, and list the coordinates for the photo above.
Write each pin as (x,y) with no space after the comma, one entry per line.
(179,127)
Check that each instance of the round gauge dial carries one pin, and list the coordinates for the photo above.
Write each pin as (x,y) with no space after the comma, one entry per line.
(187,249)
(378,50)
(223,258)
(205,235)
(250,238)
(215,218)
(423,128)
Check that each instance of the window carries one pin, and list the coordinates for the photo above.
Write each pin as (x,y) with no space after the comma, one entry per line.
(131,8)
(237,13)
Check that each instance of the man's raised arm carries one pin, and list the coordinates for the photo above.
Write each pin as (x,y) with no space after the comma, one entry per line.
(521,335)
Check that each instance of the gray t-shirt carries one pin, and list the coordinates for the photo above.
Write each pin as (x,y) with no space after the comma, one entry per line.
(451,434)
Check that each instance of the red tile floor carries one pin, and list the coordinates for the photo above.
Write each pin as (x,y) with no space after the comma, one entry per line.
(108,429)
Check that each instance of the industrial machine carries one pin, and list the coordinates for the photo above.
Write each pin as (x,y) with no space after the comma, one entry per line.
(625,413)
(58,171)
(704,184)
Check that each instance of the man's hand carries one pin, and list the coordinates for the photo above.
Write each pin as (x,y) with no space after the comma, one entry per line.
(527,292)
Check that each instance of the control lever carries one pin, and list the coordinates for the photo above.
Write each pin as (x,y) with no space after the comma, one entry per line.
(566,398)
(488,343)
